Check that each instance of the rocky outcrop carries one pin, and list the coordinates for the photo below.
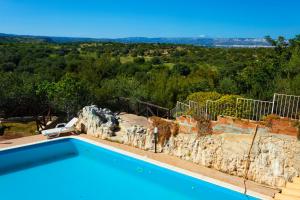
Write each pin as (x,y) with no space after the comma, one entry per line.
(274,159)
(97,122)
(139,137)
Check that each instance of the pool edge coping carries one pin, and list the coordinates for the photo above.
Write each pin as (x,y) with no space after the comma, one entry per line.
(154,162)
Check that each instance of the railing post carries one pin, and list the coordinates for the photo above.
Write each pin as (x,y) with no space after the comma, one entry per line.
(236,107)
(176,109)
(147,110)
(206,108)
(272,112)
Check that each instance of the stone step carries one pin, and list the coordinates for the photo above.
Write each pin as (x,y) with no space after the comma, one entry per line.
(280,196)
(290,191)
(296,180)
(292,185)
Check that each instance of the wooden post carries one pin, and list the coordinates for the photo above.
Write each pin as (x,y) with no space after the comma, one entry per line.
(147,111)
(37,124)
(248,159)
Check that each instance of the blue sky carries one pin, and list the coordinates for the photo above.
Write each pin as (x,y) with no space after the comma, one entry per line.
(151,18)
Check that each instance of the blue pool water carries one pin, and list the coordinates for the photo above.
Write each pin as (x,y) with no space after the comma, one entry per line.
(71,169)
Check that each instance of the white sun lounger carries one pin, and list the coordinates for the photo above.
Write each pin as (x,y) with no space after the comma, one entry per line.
(55,132)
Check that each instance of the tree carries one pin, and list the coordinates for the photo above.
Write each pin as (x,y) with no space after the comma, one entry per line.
(181,69)
(295,83)
(280,44)
(121,86)
(293,66)
(34,73)
(156,60)
(139,60)
(67,95)
(7,67)
(228,86)
(258,79)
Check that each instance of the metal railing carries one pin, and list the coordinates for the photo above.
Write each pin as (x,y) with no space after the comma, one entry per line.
(197,109)
(181,109)
(215,109)
(286,106)
(252,109)
(282,105)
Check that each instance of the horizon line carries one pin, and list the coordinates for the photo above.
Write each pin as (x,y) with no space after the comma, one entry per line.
(149,37)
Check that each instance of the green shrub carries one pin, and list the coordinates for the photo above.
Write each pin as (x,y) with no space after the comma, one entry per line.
(202,97)
(139,60)
(228,99)
(224,104)
(228,104)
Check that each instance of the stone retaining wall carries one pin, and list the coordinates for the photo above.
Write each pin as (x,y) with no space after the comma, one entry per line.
(274,159)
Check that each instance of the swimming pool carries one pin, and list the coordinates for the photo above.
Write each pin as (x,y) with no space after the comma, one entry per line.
(76,169)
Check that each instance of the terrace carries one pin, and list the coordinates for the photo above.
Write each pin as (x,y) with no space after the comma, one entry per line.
(221,150)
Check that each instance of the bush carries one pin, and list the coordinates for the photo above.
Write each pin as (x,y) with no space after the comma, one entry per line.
(228,99)
(202,97)
(7,67)
(228,104)
(203,125)
(139,60)
(166,129)
(268,120)
(224,104)
(156,61)
(181,69)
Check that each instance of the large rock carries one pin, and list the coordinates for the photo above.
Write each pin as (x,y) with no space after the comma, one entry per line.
(138,136)
(97,122)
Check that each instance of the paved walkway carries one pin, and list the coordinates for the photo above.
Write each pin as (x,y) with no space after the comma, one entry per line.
(291,191)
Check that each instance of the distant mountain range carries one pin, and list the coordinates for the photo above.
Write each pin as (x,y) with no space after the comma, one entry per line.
(198,41)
